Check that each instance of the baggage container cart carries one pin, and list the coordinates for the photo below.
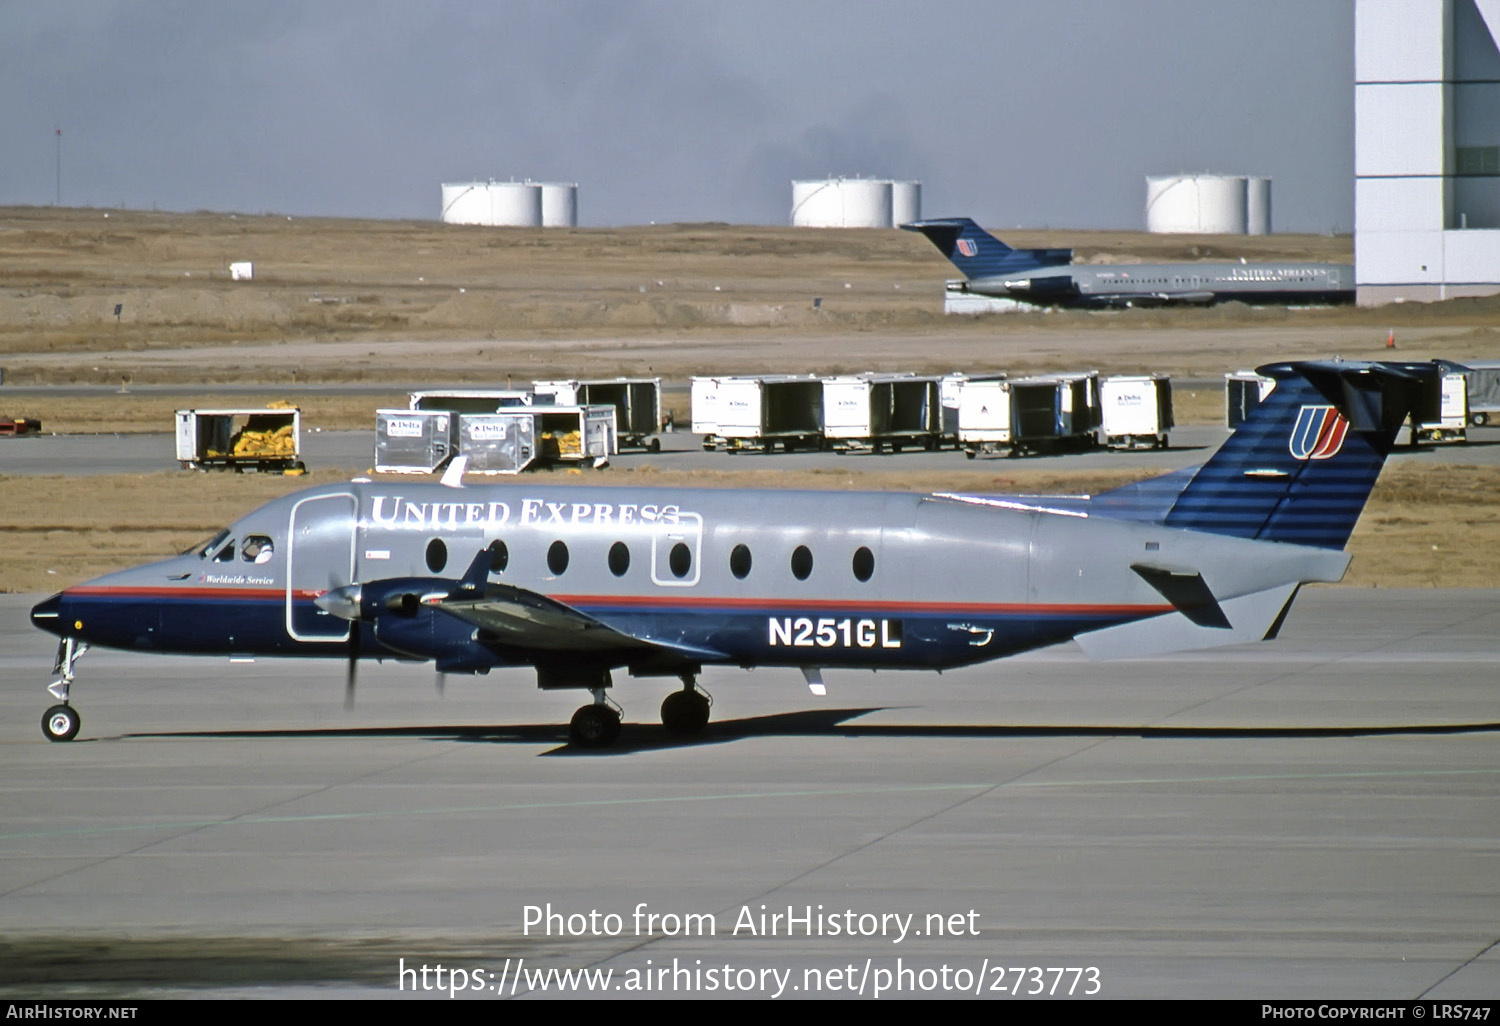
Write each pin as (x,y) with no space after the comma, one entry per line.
(1055,412)
(1442,415)
(498,443)
(1135,411)
(950,388)
(877,411)
(414,441)
(1043,413)
(759,412)
(514,440)
(637,403)
(1243,392)
(266,440)
(984,416)
(1482,380)
(476,400)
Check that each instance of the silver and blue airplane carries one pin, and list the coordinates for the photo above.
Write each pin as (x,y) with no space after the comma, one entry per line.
(580,583)
(1048,277)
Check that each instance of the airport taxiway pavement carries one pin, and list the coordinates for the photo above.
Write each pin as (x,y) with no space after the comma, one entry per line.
(1313,817)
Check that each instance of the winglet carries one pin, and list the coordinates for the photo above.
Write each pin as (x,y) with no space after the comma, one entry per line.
(453,477)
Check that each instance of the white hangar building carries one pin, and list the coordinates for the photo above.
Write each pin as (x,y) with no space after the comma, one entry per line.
(1426,149)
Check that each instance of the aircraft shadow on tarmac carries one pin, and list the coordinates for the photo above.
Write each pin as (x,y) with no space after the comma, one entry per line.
(642,737)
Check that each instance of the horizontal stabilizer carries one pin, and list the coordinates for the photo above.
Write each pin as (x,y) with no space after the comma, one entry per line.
(1252,617)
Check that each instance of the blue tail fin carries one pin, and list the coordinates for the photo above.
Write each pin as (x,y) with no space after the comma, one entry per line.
(1300,468)
(978,254)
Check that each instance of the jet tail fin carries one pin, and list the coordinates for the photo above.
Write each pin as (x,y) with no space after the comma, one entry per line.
(1300,468)
(978,254)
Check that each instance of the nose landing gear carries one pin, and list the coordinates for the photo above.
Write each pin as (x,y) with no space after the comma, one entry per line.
(61,722)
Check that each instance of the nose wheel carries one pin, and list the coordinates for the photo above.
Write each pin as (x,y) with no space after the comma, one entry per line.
(60,723)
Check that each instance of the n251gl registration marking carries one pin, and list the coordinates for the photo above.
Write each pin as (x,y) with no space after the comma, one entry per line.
(805,632)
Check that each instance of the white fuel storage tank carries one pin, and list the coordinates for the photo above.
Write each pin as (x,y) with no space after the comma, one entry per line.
(559,204)
(906,202)
(513,204)
(1202,204)
(842,203)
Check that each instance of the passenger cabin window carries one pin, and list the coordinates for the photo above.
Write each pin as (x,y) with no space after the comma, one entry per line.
(257,549)
(499,557)
(680,560)
(437,555)
(739,562)
(557,558)
(619,559)
(802,562)
(864,563)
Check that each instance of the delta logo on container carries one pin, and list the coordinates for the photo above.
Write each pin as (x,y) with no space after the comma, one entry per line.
(1318,434)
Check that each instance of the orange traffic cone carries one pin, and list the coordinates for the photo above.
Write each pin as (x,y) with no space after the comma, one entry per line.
(1390,340)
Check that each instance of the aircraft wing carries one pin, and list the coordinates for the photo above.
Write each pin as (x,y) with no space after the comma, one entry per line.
(516,618)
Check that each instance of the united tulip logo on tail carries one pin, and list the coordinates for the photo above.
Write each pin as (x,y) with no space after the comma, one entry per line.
(1319,433)
(967,247)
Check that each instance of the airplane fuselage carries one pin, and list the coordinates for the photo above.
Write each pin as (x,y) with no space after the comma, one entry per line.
(1087,285)
(709,576)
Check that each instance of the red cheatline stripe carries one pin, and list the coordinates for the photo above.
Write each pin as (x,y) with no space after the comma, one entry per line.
(102,591)
(847,606)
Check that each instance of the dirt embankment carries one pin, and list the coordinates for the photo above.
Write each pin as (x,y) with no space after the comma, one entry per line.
(99,296)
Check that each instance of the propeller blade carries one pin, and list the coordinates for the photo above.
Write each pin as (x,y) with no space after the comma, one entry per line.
(352,668)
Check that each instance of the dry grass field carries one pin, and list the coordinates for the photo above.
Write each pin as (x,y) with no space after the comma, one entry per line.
(418,303)
(336,300)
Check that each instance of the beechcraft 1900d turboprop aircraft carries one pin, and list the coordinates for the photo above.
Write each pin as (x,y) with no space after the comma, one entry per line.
(578,582)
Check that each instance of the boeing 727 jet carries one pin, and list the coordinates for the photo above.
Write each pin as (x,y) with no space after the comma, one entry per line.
(1048,277)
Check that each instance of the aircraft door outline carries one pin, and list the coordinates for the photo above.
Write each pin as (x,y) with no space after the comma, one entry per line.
(320,556)
(688,530)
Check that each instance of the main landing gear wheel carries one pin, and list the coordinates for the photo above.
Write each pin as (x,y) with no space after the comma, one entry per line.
(60,723)
(594,726)
(685,712)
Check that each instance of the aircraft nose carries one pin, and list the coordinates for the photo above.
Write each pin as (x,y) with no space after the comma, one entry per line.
(47,614)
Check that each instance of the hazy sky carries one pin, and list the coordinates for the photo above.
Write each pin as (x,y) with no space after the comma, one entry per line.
(1015,112)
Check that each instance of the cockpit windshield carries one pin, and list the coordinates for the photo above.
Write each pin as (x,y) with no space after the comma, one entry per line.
(203,549)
